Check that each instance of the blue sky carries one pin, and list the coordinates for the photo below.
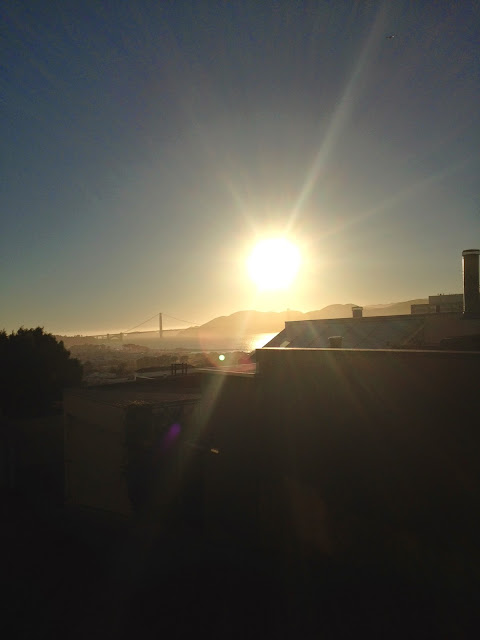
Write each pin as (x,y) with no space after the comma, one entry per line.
(146,145)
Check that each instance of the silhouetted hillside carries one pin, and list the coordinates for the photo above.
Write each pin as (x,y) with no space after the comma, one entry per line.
(345,310)
(246,322)
(331,311)
(249,322)
(393,308)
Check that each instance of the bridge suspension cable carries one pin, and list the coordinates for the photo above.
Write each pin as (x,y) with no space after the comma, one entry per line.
(141,323)
(155,316)
(180,320)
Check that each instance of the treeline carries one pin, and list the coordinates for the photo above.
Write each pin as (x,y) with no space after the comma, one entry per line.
(35,370)
(69,341)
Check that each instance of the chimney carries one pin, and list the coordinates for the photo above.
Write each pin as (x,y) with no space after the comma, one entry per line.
(357,312)
(471,294)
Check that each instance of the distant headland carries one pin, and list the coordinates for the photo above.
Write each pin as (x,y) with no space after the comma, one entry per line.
(252,322)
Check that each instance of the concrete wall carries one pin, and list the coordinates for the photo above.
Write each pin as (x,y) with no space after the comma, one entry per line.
(31,458)
(110,467)
(350,453)
(229,434)
(444,325)
(95,455)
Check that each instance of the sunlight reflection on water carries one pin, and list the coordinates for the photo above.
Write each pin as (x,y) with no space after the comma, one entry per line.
(245,343)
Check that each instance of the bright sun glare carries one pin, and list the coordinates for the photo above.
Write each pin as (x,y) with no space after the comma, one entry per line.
(273,264)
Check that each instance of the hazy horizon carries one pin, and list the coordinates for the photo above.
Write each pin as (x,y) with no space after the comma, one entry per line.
(148,147)
(154,327)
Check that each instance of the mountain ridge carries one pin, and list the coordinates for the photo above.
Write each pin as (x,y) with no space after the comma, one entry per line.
(250,321)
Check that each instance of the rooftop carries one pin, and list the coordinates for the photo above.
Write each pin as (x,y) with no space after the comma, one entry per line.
(375,332)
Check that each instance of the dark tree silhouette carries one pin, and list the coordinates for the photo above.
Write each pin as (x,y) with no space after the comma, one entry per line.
(34,370)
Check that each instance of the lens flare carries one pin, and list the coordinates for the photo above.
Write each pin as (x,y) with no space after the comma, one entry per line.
(170,436)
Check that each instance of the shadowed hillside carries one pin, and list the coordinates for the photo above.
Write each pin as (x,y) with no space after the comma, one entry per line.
(247,322)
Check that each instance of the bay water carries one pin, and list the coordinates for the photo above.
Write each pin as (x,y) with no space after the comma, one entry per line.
(221,343)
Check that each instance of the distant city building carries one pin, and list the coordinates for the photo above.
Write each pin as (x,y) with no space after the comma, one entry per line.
(441,303)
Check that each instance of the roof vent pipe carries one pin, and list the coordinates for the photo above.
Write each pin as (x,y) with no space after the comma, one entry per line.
(335,342)
(471,294)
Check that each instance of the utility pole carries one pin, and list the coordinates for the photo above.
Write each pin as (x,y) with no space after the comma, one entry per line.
(160,325)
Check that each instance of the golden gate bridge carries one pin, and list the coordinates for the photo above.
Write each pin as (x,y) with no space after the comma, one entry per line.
(118,337)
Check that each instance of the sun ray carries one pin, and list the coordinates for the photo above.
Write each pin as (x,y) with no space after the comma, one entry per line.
(404,194)
(338,121)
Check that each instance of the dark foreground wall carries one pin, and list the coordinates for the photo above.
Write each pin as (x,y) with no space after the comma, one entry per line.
(31,459)
(351,454)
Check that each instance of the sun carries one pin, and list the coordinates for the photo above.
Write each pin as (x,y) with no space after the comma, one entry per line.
(273,264)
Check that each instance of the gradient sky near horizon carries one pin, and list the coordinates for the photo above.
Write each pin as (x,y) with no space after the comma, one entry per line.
(147,145)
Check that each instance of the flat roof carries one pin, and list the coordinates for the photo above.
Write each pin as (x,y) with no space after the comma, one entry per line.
(461,353)
(372,332)
(379,318)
